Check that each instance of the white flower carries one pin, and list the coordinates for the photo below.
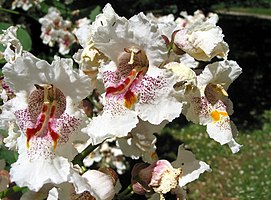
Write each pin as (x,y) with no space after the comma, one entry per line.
(202,40)
(13,46)
(198,16)
(66,39)
(57,30)
(209,105)
(46,111)
(117,33)
(135,86)
(163,177)
(109,155)
(25,4)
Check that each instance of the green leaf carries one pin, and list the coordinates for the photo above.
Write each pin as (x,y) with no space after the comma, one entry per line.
(97,10)
(25,39)
(4,26)
(44,8)
(2,49)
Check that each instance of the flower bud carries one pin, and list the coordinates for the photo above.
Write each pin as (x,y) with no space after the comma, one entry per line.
(160,177)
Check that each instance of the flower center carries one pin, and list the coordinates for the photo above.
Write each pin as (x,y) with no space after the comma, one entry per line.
(131,58)
(132,66)
(46,103)
(215,92)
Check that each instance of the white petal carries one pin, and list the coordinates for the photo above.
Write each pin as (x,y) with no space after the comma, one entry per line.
(142,141)
(34,174)
(97,183)
(220,132)
(53,194)
(224,73)
(117,33)
(191,167)
(38,165)
(29,70)
(234,146)
(84,35)
(156,101)
(109,126)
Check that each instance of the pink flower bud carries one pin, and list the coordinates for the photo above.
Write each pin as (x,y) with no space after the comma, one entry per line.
(159,177)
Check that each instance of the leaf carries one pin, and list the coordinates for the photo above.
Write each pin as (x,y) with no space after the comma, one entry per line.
(44,8)
(97,10)
(25,39)
(4,26)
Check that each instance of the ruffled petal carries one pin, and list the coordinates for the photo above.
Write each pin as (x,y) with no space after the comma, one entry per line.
(191,167)
(97,183)
(109,125)
(156,102)
(224,72)
(44,167)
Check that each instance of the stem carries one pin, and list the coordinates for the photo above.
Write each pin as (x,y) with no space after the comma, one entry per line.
(125,194)
(10,191)
(80,157)
(9,11)
(17,13)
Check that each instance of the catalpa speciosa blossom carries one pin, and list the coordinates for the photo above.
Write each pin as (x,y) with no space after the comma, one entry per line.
(162,176)
(135,85)
(209,105)
(202,39)
(46,110)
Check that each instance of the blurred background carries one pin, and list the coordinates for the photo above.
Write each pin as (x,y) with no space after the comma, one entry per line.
(246,25)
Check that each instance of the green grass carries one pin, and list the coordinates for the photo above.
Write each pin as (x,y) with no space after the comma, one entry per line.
(248,10)
(245,175)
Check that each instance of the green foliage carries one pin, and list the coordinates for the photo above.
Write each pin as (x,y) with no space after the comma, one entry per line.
(267,120)
(94,12)
(25,39)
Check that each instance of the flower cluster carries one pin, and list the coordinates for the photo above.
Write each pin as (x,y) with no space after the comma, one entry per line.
(56,30)
(148,74)
(25,4)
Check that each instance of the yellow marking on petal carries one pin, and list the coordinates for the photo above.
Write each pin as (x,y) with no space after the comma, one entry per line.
(129,99)
(215,114)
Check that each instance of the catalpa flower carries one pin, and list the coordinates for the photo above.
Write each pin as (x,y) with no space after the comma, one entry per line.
(202,40)
(162,176)
(209,104)
(25,4)
(135,86)
(89,58)
(13,46)
(198,16)
(46,111)
(57,30)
